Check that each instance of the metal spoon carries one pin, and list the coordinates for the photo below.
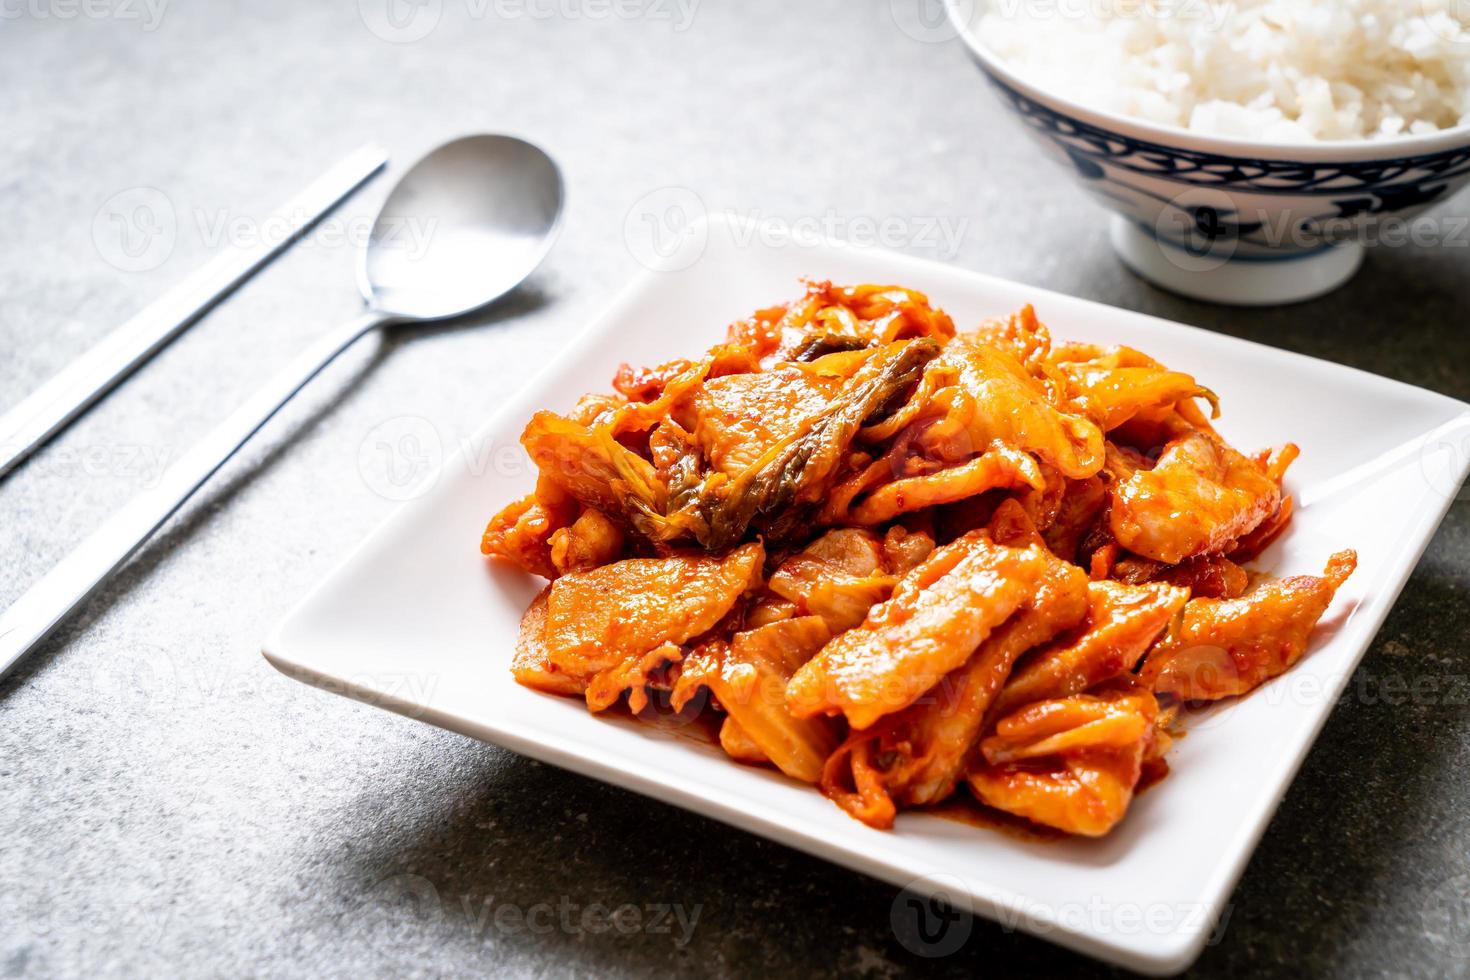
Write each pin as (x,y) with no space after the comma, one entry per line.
(463,227)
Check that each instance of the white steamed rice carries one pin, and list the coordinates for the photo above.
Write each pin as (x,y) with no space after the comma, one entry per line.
(1272,70)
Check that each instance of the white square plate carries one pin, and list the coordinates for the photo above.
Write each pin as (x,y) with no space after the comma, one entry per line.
(417,622)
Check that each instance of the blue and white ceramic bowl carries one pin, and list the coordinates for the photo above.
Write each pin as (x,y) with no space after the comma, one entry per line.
(1235,221)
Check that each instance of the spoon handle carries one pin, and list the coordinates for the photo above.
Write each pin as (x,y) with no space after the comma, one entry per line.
(43,606)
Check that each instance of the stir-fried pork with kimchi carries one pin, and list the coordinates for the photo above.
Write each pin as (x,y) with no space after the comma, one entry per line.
(901,562)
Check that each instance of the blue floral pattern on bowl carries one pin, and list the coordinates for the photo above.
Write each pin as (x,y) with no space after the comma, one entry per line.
(1256,208)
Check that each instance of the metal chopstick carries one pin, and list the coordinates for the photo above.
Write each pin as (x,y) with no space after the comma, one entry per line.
(89,377)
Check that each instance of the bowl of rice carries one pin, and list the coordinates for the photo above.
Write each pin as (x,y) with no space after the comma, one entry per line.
(1249,150)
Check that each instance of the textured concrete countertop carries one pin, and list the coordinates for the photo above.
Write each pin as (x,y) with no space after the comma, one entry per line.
(171,803)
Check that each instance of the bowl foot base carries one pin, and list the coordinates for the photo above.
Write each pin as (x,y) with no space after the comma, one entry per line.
(1236,281)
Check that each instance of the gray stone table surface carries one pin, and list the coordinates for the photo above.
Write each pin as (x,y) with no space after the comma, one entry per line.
(172,804)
